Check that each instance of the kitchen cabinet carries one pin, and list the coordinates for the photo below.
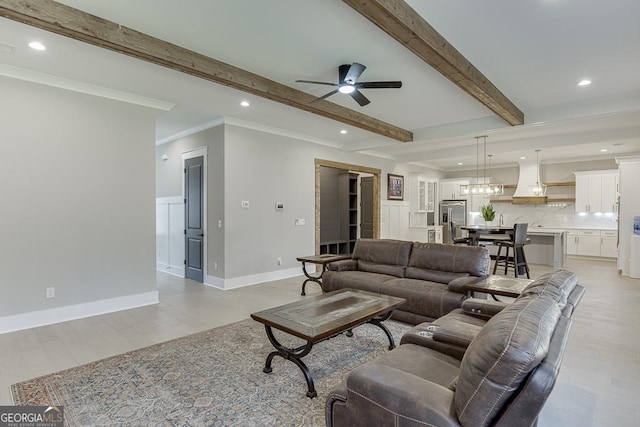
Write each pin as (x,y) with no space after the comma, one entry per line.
(596,243)
(450,189)
(434,234)
(423,194)
(609,244)
(597,191)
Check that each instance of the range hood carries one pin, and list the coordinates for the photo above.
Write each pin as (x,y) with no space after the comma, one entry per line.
(527,178)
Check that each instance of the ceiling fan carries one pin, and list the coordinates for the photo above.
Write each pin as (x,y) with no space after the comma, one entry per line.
(348,83)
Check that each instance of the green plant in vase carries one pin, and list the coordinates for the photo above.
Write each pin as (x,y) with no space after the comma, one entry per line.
(488,213)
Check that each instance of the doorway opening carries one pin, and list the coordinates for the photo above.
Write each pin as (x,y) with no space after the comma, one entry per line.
(340,214)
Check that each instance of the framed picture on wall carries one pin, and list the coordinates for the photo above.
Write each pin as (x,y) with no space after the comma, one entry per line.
(395,187)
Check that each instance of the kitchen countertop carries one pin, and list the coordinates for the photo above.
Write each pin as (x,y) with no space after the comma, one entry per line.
(557,230)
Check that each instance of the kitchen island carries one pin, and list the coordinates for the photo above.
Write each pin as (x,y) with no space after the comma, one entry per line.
(548,247)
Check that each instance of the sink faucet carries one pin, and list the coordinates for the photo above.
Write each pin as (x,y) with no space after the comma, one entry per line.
(500,221)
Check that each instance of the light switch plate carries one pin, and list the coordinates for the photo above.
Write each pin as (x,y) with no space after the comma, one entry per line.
(245,204)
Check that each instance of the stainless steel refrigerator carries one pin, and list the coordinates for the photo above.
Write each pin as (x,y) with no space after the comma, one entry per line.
(453,215)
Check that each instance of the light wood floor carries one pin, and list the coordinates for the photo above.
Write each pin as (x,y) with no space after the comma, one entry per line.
(599,382)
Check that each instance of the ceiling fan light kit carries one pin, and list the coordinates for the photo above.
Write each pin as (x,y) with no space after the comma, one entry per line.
(348,84)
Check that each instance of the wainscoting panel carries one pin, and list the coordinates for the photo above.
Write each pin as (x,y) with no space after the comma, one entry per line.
(170,235)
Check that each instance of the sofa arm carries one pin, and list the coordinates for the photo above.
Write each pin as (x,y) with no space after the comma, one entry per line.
(482,308)
(456,334)
(343,265)
(460,284)
(380,395)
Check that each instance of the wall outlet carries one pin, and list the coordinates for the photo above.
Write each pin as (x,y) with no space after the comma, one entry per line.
(215,265)
(279,261)
(50,292)
(300,221)
(245,204)
(219,223)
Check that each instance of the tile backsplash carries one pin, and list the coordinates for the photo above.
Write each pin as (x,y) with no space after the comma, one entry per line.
(548,216)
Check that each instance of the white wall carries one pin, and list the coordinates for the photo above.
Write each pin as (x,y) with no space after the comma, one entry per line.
(629,169)
(261,168)
(169,183)
(77,204)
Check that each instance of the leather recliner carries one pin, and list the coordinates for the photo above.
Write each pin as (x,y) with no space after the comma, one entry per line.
(503,379)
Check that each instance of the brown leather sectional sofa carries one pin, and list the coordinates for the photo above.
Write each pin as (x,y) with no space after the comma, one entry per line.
(431,277)
(503,376)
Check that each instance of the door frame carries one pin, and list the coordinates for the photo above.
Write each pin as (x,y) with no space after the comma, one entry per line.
(190,154)
(354,168)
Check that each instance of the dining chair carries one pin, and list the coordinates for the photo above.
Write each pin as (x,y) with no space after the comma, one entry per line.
(518,258)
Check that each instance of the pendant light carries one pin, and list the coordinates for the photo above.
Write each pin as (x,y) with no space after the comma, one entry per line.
(538,190)
(484,188)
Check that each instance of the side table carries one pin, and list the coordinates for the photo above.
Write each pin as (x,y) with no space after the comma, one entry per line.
(323,260)
(499,285)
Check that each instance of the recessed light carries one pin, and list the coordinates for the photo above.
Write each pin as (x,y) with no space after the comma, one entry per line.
(245,103)
(523,158)
(604,150)
(584,82)
(37,46)
(460,163)
(343,131)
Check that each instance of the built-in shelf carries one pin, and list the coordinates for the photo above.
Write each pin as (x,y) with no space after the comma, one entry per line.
(549,200)
(549,184)
(530,200)
(348,207)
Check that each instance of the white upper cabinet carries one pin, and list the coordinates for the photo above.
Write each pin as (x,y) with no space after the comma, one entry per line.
(423,194)
(450,189)
(597,191)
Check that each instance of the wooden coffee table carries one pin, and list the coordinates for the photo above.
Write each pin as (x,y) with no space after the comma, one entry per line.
(322,317)
(323,260)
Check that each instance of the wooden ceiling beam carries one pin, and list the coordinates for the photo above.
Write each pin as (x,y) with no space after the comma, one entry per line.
(67,21)
(401,22)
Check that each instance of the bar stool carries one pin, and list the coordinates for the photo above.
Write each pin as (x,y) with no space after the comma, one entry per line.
(518,258)
(457,240)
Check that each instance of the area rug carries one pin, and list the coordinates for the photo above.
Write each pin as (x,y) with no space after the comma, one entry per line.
(211,378)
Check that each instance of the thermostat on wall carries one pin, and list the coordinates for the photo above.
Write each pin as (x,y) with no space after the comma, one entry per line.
(279,206)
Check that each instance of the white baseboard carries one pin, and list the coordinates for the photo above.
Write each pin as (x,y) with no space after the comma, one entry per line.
(238,282)
(72,312)
(214,282)
(170,269)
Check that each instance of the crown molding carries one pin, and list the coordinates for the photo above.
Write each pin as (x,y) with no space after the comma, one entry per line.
(81,87)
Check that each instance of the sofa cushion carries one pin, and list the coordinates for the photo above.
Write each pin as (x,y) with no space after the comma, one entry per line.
(502,355)
(408,386)
(443,277)
(473,260)
(372,267)
(558,284)
(423,297)
(383,251)
(372,282)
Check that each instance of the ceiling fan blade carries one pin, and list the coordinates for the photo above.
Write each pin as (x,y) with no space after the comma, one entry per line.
(379,85)
(325,96)
(354,72)
(342,72)
(317,83)
(359,97)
